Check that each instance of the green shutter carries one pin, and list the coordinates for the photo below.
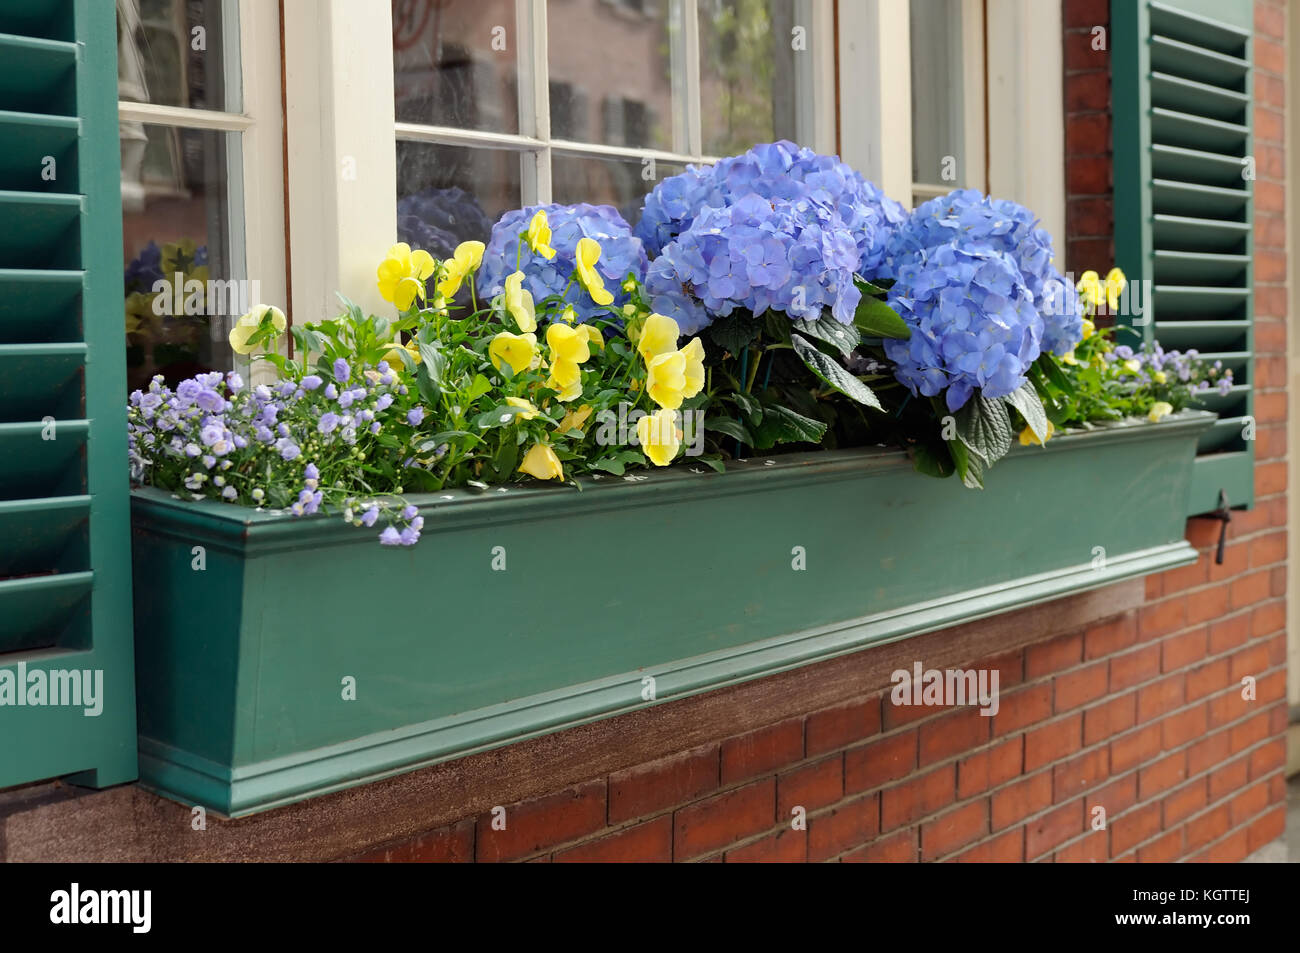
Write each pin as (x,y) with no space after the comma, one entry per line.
(1181,95)
(65,559)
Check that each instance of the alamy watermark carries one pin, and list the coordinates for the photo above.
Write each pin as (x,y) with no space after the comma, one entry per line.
(946,688)
(56,688)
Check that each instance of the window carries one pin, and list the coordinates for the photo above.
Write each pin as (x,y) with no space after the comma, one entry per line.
(193,158)
(503,103)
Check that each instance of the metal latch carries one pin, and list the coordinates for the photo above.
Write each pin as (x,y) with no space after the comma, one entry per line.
(1224,515)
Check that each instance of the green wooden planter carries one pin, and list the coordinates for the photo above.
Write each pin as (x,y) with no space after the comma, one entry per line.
(684,576)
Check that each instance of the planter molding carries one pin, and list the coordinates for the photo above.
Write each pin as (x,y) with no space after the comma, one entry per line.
(683,575)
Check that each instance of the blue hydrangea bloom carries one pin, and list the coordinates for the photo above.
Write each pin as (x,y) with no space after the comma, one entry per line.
(973,218)
(621,253)
(974,324)
(438,220)
(781,172)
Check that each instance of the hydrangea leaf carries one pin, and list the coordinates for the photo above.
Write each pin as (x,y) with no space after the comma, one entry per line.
(782,425)
(735,332)
(749,406)
(984,428)
(833,374)
(843,337)
(875,319)
(732,428)
(1026,401)
(933,460)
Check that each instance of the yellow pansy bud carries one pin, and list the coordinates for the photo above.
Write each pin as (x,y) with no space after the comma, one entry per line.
(1089,329)
(463,261)
(541,462)
(538,235)
(519,302)
(1029,438)
(248,324)
(660,437)
(659,335)
(515,350)
(588,253)
(1158,410)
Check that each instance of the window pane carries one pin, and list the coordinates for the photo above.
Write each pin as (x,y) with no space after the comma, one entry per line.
(175,218)
(622,183)
(937,81)
(170,53)
(450,194)
(454,64)
(750,89)
(612,64)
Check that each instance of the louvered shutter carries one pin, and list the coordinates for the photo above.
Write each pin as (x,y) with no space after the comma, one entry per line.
(65,558)
(1182,111)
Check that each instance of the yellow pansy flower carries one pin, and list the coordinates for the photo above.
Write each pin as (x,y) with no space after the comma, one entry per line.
(594,337)
(1133,364)
(1089,288)
(575,419)
(1089,329)
(541,462)
(568,315)
(519,302)
(248,324)
(1158,410)
(394,357)
(463,261)
(588,253)
(538,235)
(568,344)
(694,354)
(659,335)
(1115,282)
(529,410)
(516,350)
(666,379)
(660,437)
(1029,438)
(402,274)
(565,380)
(1159,377)
(1069,358)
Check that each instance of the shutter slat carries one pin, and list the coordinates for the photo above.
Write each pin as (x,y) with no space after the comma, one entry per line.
(1181,164)
(39,75)
(1198,64)
(1199,234)
(1189,96)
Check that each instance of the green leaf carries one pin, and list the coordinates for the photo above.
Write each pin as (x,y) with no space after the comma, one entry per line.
(749,406)
(933,460)
(1026,401)
(833,374)
(732,428)
(967,465)
(430,392)
(434,361)
(507,456)
(843,337)
(735,332)
(867,288)
(613,464)
(502,415)
(984,427)
(782,425)
(713,461)
(445,436)
(875,319)
(1052,371)
(480,386)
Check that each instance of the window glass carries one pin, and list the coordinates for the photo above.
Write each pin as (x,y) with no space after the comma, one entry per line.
(450,194)
(621,183)
(454,64)
(938,115)
(170,54)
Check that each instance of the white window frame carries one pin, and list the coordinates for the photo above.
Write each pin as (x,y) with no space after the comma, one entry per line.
(255,166)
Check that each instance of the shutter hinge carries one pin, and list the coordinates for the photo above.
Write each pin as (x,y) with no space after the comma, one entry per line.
(1224,515)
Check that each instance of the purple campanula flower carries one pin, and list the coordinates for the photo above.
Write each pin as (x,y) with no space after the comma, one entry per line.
(311,382)
(415,416)
(390,537)
(328,422)
(342,371)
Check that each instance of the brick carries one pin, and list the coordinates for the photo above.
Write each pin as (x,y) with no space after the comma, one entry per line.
(990,768)
(1023,707)
(1229,633)
(1129,830)
(1228,777)
(1266,829)
(1251,661)
(1231,850)
(1115,798)
(1206,604)
(917,797)
(1228,707)
(954,829)
(650,842)
(1180,651)
(1267,758)
(1052,656)
(1073,777)
(762,751)
(1050,830)
(1134,748)
(952,734)
(1160,698)
(447,845)
(811,787)
(724,819)
(1162,618)
(1086,13)
(1109,718)
(1160,776)
(662,784)
(1087,91)
(1270,21)
(1109,637)
(1091,216)
(842,726)
(1092,849)
(1008,848)
(542,822)
(1053,741)
(1181,727)
(1249,732)
(1250,589)
(1267,619)
(1248,803)
(1162,850)
(1184,802)
(1207,827)
(1208,752)
(872,765)
(1207,679)
(847,827)
(1185,577)
(899,848)
(1076,688)
(1133,668)
(1015,802)
(784,847)
(1270,56)
(1268,549)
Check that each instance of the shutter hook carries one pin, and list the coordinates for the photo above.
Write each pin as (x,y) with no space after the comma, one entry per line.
(1224,515)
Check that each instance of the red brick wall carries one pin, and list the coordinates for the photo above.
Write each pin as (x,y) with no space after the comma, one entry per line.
(1141,714)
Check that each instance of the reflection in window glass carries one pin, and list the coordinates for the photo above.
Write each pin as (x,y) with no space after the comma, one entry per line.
(625,97)
(748,86)
(622,183)
(450,194)
(169,53)
(175,221)
(937,110)
(454,64)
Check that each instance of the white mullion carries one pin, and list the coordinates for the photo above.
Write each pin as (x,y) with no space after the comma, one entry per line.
(876,93)
(534,102)
(183,117)
(694,123)
(570,147)
(449,135)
